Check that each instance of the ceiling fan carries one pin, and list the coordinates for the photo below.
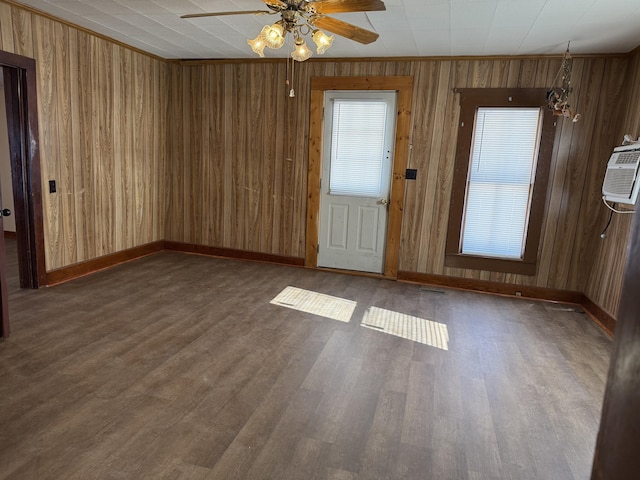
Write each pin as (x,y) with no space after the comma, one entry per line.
(301,17)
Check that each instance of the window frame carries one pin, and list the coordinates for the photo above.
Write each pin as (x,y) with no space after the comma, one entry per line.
(470,100)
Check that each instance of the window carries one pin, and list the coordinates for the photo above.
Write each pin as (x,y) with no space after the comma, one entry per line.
(500,181)
(503,154)
(358,147)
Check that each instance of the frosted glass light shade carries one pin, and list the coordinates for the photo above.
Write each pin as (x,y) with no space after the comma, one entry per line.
(273,35)
(258,44)
(322,41)
(301,52)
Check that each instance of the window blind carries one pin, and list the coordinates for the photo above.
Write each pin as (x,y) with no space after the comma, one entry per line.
(357,147)
(500,181)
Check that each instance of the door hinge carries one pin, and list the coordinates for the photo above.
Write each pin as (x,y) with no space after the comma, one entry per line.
(318,248)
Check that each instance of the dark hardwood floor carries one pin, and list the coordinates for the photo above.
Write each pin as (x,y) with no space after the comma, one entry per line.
(179,367)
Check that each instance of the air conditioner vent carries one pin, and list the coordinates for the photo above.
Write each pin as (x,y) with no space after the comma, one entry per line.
(621,183)
(627,158)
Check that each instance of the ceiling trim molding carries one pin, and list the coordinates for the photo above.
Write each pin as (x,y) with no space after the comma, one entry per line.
(214,61)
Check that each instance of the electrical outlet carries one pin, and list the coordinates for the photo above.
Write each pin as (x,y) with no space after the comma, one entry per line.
(52,186)
(411,174)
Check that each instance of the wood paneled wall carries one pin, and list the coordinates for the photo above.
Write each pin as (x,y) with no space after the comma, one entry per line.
(102,119)
(215,154)
(605,280)
(237,173)
(239,157)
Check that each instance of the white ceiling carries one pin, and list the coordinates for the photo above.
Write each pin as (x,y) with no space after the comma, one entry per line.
(406,28)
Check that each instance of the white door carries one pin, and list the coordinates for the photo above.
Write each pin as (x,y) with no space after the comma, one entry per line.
(358,136)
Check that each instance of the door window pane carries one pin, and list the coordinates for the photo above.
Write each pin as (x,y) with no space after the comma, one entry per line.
(357,147)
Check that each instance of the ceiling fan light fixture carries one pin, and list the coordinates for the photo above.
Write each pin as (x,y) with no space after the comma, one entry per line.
(300,18)
(273,35)
(322,41)
(301,52)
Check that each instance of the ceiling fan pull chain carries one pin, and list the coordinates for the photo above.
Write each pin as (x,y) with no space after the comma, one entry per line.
(286,82)
(292,92)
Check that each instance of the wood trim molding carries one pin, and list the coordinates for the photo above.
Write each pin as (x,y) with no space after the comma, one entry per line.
(595,312)
(233,253)
(470,99)
(508,289)
(313,178)
(82,269)
(77,270)
(404,87)
(22,115)
(225,61)
(598,315)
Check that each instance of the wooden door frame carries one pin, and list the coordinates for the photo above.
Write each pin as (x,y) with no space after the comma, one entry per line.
(404,87)
(22,123)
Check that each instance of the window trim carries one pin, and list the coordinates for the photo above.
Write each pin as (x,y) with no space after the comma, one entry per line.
(470,100)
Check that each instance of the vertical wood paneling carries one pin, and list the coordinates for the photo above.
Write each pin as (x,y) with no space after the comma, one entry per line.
(102,121)
(83,164)
(192,157)
(300,132)
(65,137)
(217,181)
(574,179)
(23,39)
(48,127)
(273,218)
(226,210)
(117,175)
(254,178)
(174,202)
(73,171)
(124,133)
(102,139)
(422,191)
(6,28)
(218,154)
(593,213)
(604,280)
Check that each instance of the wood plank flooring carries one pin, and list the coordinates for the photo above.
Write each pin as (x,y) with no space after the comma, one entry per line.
(178,367)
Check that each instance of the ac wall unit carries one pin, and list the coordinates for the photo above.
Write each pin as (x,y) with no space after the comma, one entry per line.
(621,182)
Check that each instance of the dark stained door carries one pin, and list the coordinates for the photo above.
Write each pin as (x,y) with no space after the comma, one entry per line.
(616,456)
(4,305)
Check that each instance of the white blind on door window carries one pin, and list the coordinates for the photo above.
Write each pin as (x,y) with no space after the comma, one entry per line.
(357,147)
(500,181)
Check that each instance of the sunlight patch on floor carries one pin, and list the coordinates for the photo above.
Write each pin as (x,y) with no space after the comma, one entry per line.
(417,329)
(335,308)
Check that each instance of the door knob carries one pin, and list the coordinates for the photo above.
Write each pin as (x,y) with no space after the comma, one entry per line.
(383,201)
(6,212)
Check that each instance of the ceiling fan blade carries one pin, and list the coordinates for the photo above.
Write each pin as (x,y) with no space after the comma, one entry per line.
(343,6)
(221,14)
(344,29)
